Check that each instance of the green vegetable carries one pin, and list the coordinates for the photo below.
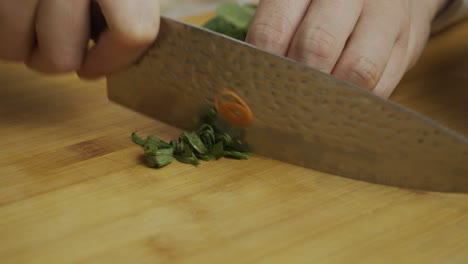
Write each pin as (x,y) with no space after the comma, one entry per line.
(138,140)
(157,152)
(186,155)
(219,25)
(153,144)
(232,19)
(195,142)
(208,142)
(207,136)
(159,158)
(235,14)
(218,150)
(210,117)
(236,154)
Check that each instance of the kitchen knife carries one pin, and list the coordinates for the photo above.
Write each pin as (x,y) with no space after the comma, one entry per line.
(301,115)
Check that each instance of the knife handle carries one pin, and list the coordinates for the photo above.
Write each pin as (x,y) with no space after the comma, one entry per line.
(98,21)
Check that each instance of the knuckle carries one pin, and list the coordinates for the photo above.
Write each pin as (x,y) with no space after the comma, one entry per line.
(317,44)
(261,36)
(363,72)
(271,34)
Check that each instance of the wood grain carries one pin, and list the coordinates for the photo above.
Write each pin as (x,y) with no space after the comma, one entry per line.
(73,188)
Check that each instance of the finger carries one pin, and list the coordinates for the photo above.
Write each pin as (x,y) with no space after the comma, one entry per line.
(404,55)
(366,55)
(17,27)
(419,33)
(62,29)
(274,24)
(396,68)
(323,33)
(133,25)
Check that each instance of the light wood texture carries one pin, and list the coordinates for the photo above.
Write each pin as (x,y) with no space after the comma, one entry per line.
(73,188)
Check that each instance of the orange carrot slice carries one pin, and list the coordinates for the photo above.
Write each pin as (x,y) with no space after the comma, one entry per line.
(233,109)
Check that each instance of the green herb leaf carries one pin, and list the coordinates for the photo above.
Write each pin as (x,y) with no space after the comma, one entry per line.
(210,141)
(232,20)
(218,24)
(138,140)
(153,144)
(195,142)
(210,116)
(207,136)
(174,145)
(218,150)
(206,157)
(223,137)
(159,158)
(187,160)
(187,156)
(236,154)
(235,14)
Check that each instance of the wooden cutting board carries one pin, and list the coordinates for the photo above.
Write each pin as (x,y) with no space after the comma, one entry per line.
(73,188)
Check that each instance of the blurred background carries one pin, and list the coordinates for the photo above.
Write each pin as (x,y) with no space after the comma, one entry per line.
(180,8)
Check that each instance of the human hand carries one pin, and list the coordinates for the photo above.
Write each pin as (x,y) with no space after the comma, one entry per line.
(370,43)
(52,36)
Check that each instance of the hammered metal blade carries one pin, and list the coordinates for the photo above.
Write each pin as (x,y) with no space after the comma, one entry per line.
(302,116)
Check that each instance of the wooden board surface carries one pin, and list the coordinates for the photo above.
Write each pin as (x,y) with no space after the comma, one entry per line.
(73,188)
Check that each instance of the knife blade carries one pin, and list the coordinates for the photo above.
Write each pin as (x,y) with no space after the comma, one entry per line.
(301,115)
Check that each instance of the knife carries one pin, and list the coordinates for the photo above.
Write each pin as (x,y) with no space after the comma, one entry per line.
(301,115)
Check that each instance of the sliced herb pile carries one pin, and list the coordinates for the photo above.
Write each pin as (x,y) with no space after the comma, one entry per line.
(232,19)
(208,142)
